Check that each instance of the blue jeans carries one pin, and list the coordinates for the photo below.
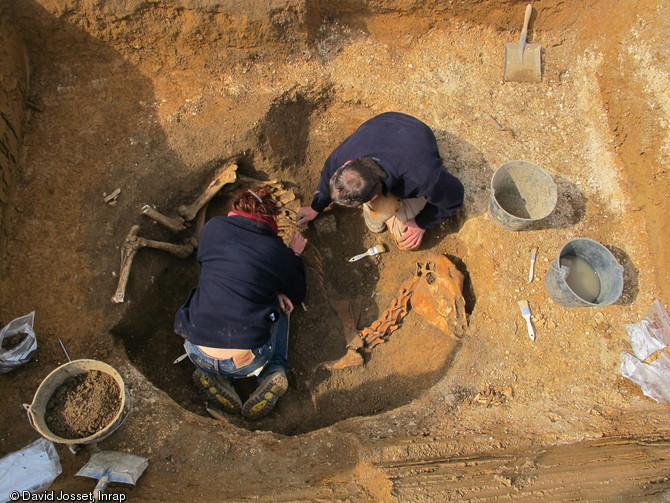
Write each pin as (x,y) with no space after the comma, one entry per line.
(267,358)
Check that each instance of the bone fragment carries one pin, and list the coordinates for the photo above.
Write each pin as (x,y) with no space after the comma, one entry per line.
(111,197)
(180,251)
(250,179)
(345,310)
(351,358)
(225,175)
(128,251)
(348,314)
(129,248)
(176,224)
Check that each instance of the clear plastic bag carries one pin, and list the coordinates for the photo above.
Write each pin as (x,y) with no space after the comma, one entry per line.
(649,336)
(652,333)
(13,357)
(31,469)
(653,379)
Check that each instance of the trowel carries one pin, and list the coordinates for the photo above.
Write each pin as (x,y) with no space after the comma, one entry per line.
(111,466)
(523,61)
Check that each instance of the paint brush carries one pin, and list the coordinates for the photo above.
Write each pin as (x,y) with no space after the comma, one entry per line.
(525,312)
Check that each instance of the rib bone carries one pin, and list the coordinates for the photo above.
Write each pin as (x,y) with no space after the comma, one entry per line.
(225,175)
(176,224)
(129,248)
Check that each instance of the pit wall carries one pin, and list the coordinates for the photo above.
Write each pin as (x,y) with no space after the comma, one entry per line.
(13,96)
(160,37)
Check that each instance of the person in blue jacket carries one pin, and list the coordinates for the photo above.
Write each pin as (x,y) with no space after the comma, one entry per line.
(392,167)
(235,322)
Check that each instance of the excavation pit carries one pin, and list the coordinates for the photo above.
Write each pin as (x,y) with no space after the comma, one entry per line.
(395,373)
(148,97)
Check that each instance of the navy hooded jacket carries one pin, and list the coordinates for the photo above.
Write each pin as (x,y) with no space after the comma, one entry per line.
(406,149)
(243,265)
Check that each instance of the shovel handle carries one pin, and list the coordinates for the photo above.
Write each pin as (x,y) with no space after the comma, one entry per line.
(100,487)
(526,20)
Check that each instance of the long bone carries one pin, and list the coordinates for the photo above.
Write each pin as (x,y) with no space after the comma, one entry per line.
(347,313)
(176,224)
(225,175)
(129,248)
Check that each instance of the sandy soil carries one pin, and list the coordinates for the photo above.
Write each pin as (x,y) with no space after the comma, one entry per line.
(150,97)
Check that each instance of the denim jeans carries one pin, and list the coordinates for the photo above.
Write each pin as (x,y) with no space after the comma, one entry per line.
(267,358)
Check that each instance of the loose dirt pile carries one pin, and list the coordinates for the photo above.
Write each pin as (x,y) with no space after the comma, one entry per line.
(83,405)
(12,341)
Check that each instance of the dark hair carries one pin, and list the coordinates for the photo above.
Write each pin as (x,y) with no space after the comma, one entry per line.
(257,200)
(356,182)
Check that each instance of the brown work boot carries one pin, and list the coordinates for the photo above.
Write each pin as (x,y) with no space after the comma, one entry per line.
(218,388)
(268,391)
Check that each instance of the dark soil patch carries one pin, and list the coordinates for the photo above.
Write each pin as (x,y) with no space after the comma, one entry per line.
(12,341)
(83,405)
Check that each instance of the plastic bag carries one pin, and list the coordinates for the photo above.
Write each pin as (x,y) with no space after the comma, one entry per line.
(31,469)
(649,336)
(653,379)
(16,356)
(652,333)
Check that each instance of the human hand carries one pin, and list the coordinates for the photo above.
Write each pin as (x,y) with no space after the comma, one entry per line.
(305,214)
(411,235)
(298,243)
(285,303)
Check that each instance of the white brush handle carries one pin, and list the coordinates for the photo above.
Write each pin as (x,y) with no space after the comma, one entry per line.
(529,326)
(358,257)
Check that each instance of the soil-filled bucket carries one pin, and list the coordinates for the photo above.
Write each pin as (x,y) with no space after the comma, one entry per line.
(584,274)
(521,193)
(60,377)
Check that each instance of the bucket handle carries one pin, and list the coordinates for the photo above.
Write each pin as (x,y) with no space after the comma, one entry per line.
(559,269)
(26,407)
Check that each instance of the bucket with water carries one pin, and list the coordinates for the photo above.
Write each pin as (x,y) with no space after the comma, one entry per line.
(584,274)
(37,410)
(521,193)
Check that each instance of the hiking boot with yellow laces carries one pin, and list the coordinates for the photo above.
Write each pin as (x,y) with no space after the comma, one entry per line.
(218,388)
(268,391)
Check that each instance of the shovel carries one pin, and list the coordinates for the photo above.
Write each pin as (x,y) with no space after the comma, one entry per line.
(110,466)
(522,60)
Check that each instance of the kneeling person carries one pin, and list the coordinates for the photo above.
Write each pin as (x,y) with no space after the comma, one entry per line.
(392,167)
(235,321)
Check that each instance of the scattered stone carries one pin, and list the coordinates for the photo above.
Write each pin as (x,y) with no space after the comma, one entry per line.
(491,396)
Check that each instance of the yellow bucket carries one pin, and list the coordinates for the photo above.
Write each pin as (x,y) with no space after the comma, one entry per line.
(37,409)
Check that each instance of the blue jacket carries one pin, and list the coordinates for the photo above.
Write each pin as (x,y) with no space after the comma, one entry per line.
(406,149)
(243,265)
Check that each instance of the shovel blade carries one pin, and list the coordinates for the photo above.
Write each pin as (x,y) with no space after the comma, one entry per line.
(523,63)
(118,466)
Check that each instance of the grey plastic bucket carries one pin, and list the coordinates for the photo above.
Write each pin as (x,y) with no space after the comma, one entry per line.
(609,271)
(37,409)
(521,193)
